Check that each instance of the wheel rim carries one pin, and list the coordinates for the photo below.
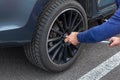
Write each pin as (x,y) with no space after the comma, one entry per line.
(66,22)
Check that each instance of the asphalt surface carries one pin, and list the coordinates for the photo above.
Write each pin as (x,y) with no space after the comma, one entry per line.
(15,66)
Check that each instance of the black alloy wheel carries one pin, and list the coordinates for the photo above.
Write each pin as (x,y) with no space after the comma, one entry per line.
(69,20)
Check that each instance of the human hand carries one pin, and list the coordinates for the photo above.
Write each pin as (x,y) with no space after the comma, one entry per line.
(115,41)
(72,38)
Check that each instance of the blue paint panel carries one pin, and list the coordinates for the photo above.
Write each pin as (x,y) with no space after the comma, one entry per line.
(18,20)
(15,13)
(102,3)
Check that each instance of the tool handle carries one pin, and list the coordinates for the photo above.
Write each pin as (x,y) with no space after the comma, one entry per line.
(106,42)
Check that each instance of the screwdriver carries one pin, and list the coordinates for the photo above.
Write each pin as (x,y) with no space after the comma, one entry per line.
(106,42)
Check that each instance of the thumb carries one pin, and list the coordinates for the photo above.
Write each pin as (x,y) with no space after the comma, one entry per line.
(111,42)
(66,39)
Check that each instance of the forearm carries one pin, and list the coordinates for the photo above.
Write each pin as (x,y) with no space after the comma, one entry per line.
(103,31)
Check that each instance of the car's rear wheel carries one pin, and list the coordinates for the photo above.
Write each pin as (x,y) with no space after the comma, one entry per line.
(48,49)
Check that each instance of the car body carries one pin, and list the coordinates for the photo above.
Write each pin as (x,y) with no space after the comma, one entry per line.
(18,17)
(33,23)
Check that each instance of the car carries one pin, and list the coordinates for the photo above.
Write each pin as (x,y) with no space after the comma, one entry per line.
(41,26)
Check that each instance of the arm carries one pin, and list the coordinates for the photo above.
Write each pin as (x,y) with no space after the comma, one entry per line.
(103,31)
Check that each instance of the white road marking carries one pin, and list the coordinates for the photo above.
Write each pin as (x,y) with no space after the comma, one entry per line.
(103,69)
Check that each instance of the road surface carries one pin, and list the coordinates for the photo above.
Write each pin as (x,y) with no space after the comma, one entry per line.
(15,66)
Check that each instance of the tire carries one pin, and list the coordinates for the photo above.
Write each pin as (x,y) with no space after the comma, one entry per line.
(48,49)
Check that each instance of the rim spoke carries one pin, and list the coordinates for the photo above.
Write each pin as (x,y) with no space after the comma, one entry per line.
(59,32)
(55,46)
(60,25)
(70,50)
(75,47)
(74,50)
(60,56)
(75,18)
(54,39)
(56,52)
(65,53)
(77,25)
(65,22)
(70,18)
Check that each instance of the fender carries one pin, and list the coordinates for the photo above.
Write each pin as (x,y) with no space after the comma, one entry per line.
(24,15)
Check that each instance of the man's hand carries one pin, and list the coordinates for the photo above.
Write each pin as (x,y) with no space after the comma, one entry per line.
(72,38)
(115,41)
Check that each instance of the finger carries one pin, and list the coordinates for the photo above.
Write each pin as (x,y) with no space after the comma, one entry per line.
(74,43)
(111,41)
(66,40)
(113,44)
(66,36)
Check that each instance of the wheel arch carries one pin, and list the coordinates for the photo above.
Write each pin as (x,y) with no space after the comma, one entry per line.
(87,5)
(38,8)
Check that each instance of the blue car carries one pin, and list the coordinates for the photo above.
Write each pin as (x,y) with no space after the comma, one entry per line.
(42,25)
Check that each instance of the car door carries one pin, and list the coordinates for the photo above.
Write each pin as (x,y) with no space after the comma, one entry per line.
(104,3)
(104,6)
